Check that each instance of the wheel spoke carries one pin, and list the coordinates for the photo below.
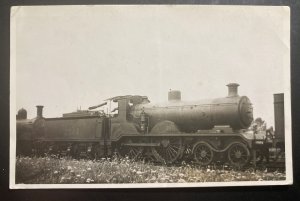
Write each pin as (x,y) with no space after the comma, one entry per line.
(173,150)
(168,153)
(238,155)
(203,154)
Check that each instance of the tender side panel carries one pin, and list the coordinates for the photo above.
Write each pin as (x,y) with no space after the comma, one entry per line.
(77,128)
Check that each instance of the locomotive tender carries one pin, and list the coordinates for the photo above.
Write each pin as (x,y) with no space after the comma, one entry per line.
(205,131)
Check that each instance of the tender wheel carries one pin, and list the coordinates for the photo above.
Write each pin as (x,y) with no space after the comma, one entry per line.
(169,151)
(238,155)
(203,154)
(133,153)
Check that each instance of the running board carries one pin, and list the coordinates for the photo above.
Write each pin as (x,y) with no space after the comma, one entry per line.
(141,144)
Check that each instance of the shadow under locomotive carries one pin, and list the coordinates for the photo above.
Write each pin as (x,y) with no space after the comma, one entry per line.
(204,131)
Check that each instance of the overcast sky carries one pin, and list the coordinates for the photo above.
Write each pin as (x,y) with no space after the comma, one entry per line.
(76,56)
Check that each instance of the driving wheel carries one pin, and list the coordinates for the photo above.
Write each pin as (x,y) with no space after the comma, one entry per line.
(169,151)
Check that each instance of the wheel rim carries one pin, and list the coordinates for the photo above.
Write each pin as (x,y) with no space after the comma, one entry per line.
(238,155)
(170,150)
(203,154)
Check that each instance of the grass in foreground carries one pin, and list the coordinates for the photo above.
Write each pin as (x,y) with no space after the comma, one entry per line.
(48,170)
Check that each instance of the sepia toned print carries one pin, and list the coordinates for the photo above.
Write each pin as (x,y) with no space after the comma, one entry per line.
(160,100)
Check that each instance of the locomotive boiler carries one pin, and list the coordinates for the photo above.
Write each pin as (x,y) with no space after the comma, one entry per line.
(205,131)
(233,110)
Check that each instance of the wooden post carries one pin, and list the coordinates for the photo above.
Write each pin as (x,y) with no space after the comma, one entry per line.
(254,158)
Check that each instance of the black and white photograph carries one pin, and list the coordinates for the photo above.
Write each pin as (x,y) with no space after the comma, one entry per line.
(150,96)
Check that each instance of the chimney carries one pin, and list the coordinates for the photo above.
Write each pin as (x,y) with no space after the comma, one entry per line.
(39,111)
(279,115)
(232,89)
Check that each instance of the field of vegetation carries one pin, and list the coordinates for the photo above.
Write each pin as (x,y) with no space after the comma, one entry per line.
(49,170)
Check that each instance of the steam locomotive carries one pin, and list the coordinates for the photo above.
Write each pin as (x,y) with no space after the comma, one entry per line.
(204,131)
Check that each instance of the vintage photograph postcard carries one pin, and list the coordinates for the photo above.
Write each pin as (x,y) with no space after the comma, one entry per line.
(150,96)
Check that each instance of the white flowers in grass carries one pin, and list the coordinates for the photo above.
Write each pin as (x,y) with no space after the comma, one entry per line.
(126,171)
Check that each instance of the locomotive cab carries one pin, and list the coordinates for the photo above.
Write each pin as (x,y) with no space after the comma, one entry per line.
(123,123)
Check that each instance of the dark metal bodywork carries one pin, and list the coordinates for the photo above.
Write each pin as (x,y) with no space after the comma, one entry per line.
(79,128)
(200,115)
(27,131)
(216,123)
